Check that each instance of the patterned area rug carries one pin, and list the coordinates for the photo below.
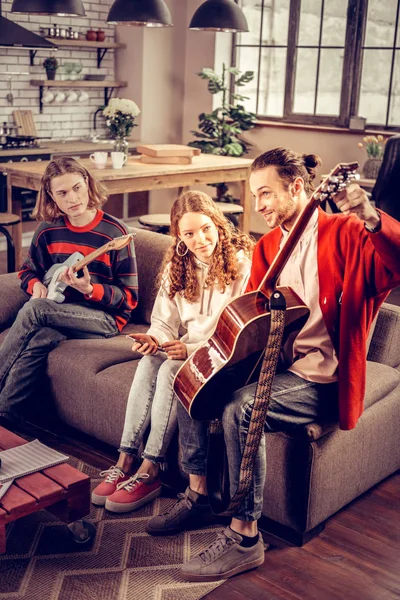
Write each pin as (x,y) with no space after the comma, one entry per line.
(121,563)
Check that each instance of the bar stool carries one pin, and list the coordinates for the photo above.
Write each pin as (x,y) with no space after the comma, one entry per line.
(160,222)
(5,220)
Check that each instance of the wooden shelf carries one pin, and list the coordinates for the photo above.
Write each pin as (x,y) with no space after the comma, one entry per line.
(84,43)
(77,83)
(108,86)
(101,47)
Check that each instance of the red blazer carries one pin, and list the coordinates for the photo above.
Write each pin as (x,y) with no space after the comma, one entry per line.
(356,271)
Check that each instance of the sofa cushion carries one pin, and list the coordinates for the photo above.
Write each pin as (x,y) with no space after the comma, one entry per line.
(385,343)
(150,250)
(381,380)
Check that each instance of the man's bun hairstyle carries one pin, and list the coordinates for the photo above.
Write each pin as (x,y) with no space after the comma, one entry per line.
(290,165)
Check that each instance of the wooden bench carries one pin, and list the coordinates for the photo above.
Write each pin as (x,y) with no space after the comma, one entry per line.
(62,490)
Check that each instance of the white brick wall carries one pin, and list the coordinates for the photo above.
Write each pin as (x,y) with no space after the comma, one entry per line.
(64,120)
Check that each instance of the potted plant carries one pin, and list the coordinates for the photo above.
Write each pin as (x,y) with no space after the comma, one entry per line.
(51,66)
(374,146)
(220,131)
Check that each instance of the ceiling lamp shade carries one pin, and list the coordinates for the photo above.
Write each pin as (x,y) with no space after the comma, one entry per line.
(219,15)
(140,13)
(49,7)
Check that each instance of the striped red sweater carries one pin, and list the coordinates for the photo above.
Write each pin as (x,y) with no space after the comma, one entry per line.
(113,275)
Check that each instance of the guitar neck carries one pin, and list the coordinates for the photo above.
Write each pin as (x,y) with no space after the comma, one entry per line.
(268,284)
(88,259)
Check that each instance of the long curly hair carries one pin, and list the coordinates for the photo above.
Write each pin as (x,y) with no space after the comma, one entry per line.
(46,209)
(223,268)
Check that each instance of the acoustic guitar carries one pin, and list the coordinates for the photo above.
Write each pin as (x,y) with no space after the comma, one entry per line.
(77,261)
(229,359)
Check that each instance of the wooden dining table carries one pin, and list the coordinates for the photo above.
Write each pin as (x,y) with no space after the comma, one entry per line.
(136,176)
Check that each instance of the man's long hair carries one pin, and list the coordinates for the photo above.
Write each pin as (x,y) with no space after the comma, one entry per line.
(46,209)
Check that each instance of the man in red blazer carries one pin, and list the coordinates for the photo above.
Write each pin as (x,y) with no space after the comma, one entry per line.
(343,267)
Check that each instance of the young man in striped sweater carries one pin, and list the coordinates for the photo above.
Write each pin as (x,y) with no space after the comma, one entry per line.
(98,304)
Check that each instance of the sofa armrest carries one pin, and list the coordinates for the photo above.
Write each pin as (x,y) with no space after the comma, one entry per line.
(385,343)
(12,298)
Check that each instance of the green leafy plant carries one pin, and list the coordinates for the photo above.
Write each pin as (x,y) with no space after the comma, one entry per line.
(50,64)
(220,131)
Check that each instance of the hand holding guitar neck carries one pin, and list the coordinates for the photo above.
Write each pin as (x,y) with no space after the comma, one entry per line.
(81,284)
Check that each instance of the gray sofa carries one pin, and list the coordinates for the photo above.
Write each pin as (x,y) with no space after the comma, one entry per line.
(309,477)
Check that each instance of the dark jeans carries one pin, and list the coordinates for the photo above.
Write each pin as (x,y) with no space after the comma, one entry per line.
(40,326)
(294,402)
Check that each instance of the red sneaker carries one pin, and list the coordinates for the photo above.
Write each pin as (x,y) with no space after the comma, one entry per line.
(133,493)
(113,476)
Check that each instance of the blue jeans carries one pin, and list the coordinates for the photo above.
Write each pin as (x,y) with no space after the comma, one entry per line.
(151,400)
(40,326)
(295,402)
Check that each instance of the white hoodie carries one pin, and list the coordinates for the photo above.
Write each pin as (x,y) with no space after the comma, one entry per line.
(194,323)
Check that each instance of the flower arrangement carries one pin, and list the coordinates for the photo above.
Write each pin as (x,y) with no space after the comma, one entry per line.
(50,64)
(120,114)
(373,145)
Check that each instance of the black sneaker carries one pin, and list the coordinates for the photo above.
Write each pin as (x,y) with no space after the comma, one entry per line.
(186,513)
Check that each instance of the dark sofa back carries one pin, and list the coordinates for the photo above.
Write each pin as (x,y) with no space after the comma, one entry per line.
(150,250)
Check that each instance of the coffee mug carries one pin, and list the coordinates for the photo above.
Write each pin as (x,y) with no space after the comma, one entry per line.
(60,97)
(83,96)
(72,97)
(118,159)
(48,97)
(99,159)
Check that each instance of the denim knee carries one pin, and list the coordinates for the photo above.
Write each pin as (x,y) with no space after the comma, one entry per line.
(33,310)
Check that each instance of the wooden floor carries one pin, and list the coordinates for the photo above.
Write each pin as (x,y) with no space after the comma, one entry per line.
(356,557)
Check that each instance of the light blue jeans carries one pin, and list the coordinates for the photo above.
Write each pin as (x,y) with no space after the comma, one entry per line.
(40,326)
(151,401)
(295,402)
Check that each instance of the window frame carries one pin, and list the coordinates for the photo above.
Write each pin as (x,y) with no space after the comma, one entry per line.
(357,11)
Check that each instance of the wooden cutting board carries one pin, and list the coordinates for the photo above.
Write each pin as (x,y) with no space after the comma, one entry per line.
(24,120)
(166,160)
(165,150)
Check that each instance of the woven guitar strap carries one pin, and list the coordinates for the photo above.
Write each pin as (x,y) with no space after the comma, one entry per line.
(217,467)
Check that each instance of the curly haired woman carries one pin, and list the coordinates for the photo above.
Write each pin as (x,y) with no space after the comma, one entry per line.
(207,265)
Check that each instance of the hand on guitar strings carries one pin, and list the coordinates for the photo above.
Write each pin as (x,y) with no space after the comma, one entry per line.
(354,200)
(81,284)
(39,290)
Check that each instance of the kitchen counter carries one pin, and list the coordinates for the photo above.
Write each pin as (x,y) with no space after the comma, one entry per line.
(58,148)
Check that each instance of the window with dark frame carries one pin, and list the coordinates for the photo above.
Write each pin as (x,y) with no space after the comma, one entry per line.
(322,61)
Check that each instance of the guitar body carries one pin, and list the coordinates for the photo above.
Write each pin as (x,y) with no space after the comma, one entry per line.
(55,288)
(226,362)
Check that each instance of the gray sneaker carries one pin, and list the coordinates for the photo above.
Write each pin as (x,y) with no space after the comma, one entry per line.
(185,514)
(224,558)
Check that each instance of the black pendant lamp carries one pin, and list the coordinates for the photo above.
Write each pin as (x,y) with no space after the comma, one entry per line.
(142,13)
(61,8)
(219,15)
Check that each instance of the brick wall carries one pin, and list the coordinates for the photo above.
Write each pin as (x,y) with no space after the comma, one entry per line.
(58,120)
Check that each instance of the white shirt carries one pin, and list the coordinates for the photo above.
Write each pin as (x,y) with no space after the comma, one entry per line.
(311,354)
(194,323)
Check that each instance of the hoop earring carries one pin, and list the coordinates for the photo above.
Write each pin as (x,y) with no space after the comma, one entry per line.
(177,248)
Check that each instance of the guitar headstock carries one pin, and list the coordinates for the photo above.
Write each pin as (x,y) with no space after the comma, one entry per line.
(119,242)
(337,180)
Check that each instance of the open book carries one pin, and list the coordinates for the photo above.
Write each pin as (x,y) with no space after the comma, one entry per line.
(26,459)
